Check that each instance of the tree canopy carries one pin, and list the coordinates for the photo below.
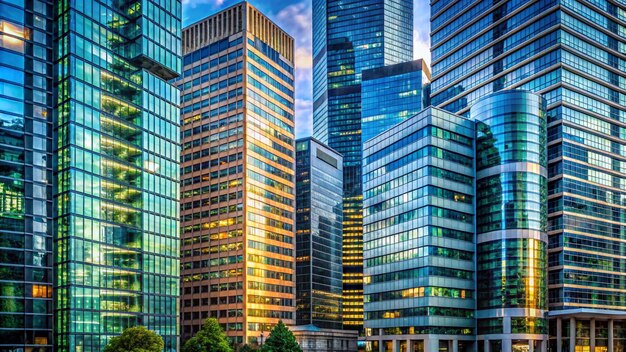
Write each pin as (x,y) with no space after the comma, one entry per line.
(210,338)
(281,340)
(135,339)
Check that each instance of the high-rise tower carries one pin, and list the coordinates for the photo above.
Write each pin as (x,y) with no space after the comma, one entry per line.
(116,125)
(238,174)
(349,37)
(26,175)
(319,198)
(418,233)
(572,52)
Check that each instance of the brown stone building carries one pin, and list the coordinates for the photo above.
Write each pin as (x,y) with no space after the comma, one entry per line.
(237,174)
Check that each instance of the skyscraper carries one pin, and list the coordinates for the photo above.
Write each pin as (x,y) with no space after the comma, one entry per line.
(391,94)
(26,175)
(419,235)
(238,174)
(511,219)
(571,52)
(319,204)
(116,149)
(348,38)
(454,229)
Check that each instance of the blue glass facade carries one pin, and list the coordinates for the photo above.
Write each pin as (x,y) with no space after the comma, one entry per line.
(348,38)
(511,213)
(26,176)
(391,94)
(419,235)
(319,217)
(570,51)
(117,152)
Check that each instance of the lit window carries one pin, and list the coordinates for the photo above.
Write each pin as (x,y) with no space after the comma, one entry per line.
(12,36)
(41,291)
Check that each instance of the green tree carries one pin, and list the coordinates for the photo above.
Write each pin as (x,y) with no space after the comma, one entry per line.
(136,339)
(247,348)
(281,340)
(210,338)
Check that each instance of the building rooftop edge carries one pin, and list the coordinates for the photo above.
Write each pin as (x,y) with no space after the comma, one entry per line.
(311,138)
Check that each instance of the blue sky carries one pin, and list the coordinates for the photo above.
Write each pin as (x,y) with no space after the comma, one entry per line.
(294,16)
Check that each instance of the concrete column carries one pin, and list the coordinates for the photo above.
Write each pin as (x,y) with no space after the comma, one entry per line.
(544,345)
(487,346)
(531,345)
(395,345)
(409,345)
(559,335)
(431,344)
(572,334)
(507,345)
(592,335)
(455,345)
(611,335)
(381,346)
(506,325)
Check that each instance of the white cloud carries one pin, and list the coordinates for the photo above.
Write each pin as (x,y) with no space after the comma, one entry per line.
(193,3)
(304,117)
(296,20)
(421,30)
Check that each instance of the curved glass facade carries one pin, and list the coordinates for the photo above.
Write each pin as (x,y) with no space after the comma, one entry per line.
(572,52)
(511,208)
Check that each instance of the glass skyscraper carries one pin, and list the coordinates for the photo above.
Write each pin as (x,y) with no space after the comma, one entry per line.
(455,229)
(511,220)
(391,94)
(319,204)
(238,174)
(419,235)
(26,176)
(348,38)
(116,146)
(572,52)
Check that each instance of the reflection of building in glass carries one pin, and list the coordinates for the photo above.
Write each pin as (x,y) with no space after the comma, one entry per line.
(26,176)
(238,174)
(419,234)
(348,38)
(319,194)
(511,218)
(422,285)
(391,94)
(570,52)
(116,118)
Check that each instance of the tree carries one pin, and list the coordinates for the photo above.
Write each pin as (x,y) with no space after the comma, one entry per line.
(247,348)
(136,339)
(281,340)
(210,338)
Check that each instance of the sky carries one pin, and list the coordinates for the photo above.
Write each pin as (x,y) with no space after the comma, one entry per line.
(294,16)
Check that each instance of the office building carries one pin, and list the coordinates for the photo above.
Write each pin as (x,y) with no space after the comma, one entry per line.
(238,175)
(391,94)
(116,148)
(319,212)
(419,235)
(511,221)
(455,229)
(570,52)
(348,38)
(26,176)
